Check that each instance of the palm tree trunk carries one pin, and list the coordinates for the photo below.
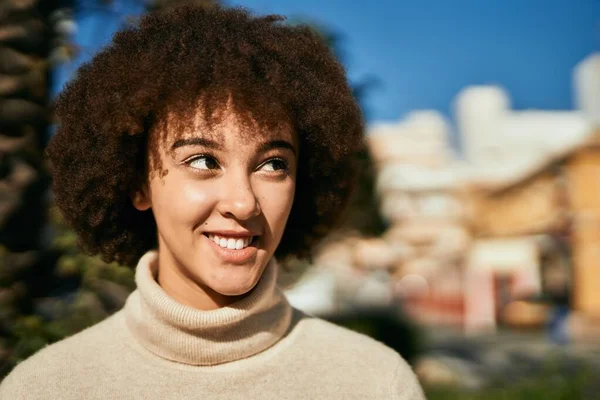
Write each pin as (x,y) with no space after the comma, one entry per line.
(25,43)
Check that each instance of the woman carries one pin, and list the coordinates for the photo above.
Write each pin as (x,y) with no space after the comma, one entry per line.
(201,146)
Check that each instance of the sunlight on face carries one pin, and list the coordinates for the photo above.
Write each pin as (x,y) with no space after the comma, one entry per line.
(221,209)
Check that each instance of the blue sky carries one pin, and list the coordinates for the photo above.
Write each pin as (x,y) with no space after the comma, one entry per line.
(423,52)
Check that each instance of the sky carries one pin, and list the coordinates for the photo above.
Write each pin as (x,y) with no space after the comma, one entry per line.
(423,52)
(419,53)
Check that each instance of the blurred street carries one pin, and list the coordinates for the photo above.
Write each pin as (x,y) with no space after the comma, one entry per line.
(505,357)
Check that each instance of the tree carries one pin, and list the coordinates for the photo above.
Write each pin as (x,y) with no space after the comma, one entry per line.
(26,41)
(48,288)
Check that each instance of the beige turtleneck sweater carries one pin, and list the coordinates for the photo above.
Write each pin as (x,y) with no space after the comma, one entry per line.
(257,348)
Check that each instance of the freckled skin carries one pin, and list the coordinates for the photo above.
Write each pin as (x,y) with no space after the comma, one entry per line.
(239,187)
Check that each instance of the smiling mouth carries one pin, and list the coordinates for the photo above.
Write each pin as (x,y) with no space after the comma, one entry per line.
(232,243)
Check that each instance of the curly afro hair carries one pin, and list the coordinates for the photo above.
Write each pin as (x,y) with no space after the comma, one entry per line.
(165,64)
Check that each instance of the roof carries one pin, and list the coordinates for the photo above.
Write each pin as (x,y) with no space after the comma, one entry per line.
(547,138)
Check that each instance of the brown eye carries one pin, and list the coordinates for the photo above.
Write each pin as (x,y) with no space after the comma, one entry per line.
(276,164)
(203,162)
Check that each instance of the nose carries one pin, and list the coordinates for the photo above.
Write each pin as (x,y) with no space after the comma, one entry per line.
(238,200)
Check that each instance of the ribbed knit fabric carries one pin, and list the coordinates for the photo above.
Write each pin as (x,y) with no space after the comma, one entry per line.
(257,348)
(183,334)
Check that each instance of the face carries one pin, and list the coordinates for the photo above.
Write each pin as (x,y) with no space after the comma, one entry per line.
(221,208)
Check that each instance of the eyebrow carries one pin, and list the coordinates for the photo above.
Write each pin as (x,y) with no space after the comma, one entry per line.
(200,141)
(197,141)
(277,144)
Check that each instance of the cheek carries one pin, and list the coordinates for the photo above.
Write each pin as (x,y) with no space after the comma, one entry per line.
(276,204)
(182,202)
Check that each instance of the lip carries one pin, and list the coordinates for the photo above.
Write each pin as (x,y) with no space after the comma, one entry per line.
(233,233)
(234,256)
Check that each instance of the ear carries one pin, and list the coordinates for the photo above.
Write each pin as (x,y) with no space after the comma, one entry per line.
(141,199)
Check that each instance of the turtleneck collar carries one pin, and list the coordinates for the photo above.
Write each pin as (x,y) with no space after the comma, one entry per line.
(191,336)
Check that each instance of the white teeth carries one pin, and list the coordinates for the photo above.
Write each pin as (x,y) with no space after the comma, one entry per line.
(233,244)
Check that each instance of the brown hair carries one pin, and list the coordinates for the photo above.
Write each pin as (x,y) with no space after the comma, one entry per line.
(168,61)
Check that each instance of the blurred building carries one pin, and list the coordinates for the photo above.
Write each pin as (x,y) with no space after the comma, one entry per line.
(535,195)
(420,184)
(475,241)
(541,224)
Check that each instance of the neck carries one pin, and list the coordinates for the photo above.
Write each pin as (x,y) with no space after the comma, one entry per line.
(185,290)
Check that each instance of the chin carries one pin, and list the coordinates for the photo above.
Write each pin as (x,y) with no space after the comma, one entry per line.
(235,283)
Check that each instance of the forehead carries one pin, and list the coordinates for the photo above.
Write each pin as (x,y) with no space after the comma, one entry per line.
(225,127)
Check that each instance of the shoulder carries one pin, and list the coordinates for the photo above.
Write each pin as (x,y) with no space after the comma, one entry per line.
(343,348)
(51,368)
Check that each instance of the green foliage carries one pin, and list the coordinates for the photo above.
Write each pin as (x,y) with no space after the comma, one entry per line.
(96,290)
(386,326)
(550,384)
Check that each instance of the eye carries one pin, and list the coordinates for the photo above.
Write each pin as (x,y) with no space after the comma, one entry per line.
(274,165)
(202,162)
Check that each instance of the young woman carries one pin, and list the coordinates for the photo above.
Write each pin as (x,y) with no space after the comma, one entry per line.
(199,147)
